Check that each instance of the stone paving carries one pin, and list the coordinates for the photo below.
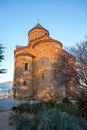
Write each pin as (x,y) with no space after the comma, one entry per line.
(6,104)
(5,113)
(6,121)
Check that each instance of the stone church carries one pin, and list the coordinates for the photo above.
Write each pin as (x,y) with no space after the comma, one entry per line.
(37,67)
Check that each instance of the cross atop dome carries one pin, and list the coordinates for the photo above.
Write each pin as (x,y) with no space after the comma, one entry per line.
(38,20)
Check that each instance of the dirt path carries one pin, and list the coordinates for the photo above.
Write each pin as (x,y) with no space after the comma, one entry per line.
(6,121)
(5,113)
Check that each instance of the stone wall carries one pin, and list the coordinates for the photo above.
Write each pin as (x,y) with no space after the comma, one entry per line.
(21,76)
(44,78)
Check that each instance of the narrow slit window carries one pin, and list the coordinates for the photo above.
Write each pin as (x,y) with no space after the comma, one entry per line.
(26,66)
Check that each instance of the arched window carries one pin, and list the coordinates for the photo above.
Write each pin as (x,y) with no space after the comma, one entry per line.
(26,66)
(24,83)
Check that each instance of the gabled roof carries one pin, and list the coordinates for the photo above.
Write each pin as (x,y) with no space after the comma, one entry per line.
(18,46)
(25,54)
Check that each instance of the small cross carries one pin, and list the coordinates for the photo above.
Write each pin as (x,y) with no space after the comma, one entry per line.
(38,20)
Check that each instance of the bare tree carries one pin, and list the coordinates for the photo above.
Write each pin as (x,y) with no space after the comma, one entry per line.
(65,64)
(80,52)
(66,71)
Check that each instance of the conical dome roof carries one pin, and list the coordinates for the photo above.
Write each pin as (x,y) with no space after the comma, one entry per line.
(36,32)
(38,26)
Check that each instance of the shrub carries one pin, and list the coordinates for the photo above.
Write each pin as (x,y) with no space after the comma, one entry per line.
(82,105)
(64,107)
(66,100)
(51,119)
(54,119)
(42,106)
(48,116)
(21,108)
(34,108)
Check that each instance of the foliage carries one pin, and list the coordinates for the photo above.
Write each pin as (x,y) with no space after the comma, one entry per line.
(64,68)
(2,58)
(51,119)
(21,108)
(34,108)
(82,105)
(43,105)
(1,53)
(66,100)
(80,52)
(67,107)
(49,115)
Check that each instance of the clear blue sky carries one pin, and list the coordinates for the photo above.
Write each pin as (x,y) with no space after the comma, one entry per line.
(66,21)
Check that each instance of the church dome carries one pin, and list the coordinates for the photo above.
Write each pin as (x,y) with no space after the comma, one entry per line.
(37,32)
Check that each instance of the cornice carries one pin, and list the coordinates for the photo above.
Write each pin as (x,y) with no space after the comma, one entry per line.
(24,54)
(46,40)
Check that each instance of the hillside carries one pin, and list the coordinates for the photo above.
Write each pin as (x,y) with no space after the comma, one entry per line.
(6,85)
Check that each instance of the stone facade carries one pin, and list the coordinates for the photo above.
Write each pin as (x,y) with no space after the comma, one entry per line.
(35,74)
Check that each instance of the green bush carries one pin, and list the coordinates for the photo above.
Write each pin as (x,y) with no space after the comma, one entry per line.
(42,106)
(34,108)
(48,116)
(21,108)
(71,109)
(51,119)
